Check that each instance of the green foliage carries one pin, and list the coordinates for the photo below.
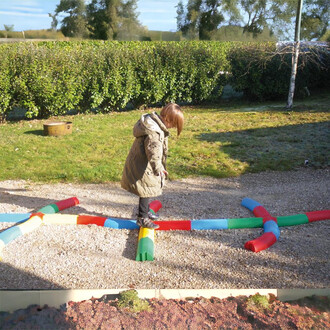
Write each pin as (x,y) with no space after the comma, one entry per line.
(262,71)
(5,77)
(45,82)
(258,302)
(51,78)
(74,24)
(326,36)
(129,299)
(202,18)
(315,19)
(8,27)
(101,19)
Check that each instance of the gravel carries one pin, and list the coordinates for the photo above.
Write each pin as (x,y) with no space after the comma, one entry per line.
(92,257)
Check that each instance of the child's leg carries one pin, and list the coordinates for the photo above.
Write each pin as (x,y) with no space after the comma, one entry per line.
(143,207)
(143,218)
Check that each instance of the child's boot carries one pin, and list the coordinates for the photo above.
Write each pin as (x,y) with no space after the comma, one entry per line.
(146,223)
(152,215)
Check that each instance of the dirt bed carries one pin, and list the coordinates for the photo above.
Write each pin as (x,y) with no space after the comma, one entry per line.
(199,313)
(93,257)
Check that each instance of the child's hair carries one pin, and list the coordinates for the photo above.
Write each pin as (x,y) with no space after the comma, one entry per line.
(173,114)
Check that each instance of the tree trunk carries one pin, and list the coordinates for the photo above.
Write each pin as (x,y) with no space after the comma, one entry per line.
(295,57)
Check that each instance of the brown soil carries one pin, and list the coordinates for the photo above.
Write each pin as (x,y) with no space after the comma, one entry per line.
(194,313)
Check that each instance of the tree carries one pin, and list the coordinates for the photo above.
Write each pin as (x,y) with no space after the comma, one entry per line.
(54,21)
(107,18)
(258,15)
(74,24)
(200,18)
(203,17)
(103,18)
(295,55)
(8,28)
(129,26)
(315,19)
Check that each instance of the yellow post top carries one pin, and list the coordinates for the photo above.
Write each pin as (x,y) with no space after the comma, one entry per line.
(146,232)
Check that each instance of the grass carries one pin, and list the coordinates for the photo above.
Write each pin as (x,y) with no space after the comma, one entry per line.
(219,141)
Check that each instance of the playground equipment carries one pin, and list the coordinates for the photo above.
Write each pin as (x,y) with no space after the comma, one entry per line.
(49,209)
(32,222)
(271,230)
(145,250)
(146,247)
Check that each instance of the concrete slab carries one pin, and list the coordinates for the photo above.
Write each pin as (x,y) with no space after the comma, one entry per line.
(13,300)
(293,294)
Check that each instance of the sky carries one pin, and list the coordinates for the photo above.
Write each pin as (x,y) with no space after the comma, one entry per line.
(33,14)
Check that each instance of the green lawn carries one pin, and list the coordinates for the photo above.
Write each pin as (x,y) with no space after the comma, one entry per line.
(220,141)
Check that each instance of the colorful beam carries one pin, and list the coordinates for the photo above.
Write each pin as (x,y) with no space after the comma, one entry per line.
(14,217)
(263,220)
(33,222)
(204,224)
(146,247)
(271,230)
(59,206)
(49,209)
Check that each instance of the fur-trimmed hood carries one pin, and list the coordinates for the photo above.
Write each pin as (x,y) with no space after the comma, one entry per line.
(148,124)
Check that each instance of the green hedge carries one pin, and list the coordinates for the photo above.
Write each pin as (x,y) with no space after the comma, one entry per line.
(263,72)
(52,78)
(5,85)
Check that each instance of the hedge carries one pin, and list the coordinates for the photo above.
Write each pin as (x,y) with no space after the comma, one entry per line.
(262,71)
(51,78)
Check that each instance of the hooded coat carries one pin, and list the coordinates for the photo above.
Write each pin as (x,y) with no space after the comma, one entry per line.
(147,157)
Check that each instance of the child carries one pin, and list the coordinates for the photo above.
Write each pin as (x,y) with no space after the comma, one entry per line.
(145,168)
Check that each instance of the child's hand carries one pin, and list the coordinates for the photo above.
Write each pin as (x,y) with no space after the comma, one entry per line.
(163,173)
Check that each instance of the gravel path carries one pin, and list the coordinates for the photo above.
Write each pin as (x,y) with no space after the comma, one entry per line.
(92,257)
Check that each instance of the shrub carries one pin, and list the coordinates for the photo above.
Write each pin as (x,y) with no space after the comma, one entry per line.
(263,72)
(51,78)
(5,77)
(258,301)
(47,79)
(129,299)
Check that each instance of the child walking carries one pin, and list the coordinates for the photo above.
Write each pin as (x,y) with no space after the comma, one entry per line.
(145,168)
